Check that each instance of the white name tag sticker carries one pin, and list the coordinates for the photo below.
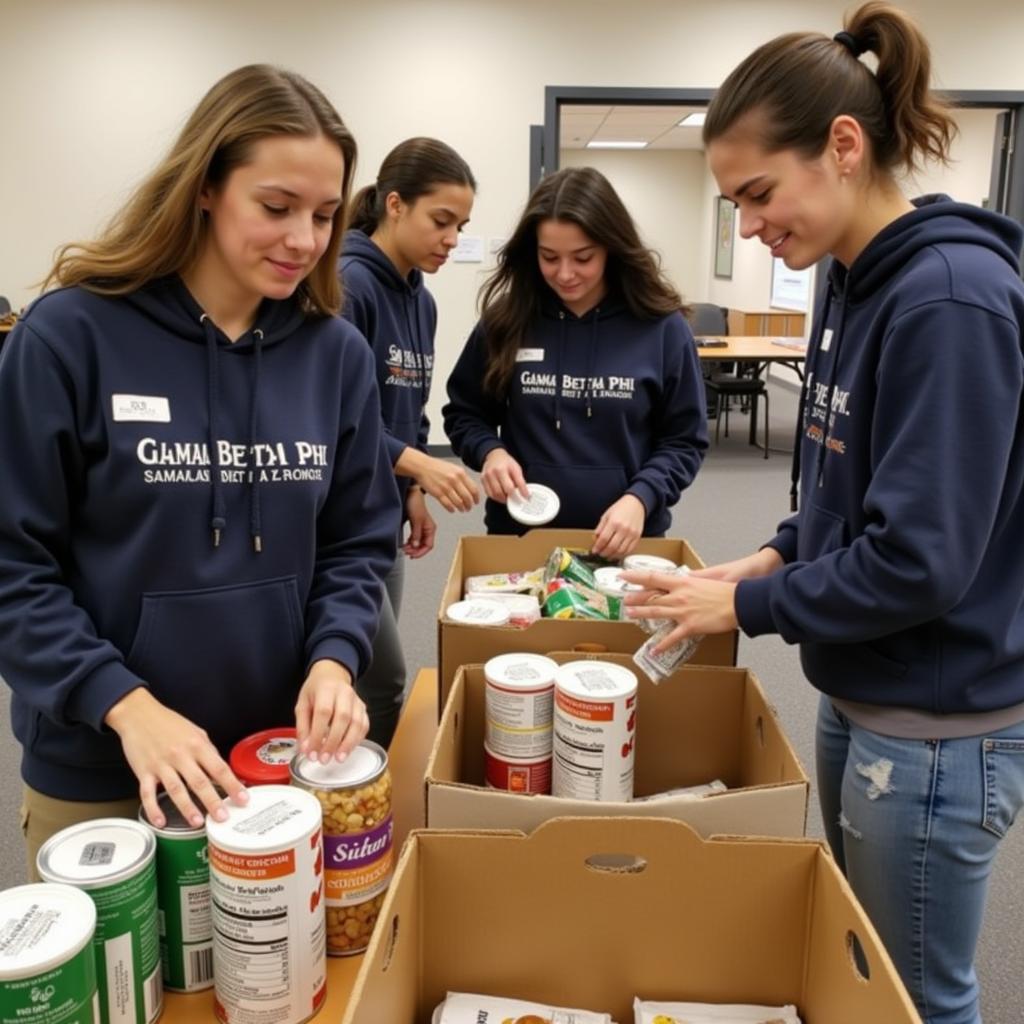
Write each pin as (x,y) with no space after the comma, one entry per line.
(826,339)
(530,355)
(141,409)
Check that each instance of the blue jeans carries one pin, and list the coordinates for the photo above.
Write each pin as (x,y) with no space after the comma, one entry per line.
(915,825)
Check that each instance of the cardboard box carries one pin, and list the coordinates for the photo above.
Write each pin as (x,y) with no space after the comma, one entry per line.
(458,644)
(590,912)
(702,723)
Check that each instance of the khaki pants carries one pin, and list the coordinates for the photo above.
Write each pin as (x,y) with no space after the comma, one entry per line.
(43,816)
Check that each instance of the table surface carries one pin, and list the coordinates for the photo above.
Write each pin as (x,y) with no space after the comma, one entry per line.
(751,348)
(408,758)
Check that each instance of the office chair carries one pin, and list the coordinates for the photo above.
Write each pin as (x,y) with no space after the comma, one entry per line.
(5,306)
(706,318)
(723,386)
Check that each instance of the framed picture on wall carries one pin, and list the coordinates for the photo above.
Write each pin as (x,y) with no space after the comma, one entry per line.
(725,233)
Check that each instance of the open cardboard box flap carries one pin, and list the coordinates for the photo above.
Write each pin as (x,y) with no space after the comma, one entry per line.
(590,912)
(703,723)
(459,644)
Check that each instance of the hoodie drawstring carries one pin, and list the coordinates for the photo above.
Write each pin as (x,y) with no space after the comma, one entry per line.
(837,341)
(218,518)
(591,356)
(255,517)
(558,370)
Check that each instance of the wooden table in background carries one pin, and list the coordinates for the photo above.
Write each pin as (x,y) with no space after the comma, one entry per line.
(408,756)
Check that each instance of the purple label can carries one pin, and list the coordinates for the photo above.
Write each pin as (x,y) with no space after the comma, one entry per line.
(355,797)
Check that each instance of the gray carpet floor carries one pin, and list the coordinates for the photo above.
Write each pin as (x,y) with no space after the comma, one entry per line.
(732,508)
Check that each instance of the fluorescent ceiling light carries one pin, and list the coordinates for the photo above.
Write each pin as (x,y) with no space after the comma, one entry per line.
(615,144)
(694,120)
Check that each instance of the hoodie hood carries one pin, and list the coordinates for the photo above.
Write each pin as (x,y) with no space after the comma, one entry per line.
(360,248)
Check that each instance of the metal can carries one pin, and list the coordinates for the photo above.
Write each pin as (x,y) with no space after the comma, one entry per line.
(263,758)
(266,894)
(518,699)
(517,775)
(114,861)
(594,731)
(355,799)
(47,963)
(183,899)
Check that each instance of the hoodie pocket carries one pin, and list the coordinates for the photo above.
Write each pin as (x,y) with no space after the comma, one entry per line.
(584,492)
(821,532)
(229,659)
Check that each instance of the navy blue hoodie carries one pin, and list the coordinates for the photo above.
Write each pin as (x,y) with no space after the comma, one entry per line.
(398,317)
(598,407)
(113,412)
(904,575)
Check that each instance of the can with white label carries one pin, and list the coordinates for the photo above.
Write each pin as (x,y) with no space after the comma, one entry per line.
(183,899)
(355,798)
(114,861)
(518,702)
(594,731)
(517,775)
(266,893)
(47,964)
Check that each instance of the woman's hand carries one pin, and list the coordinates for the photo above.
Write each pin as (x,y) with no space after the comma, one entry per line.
(697,605)
(502,476)
(422,528)
(164,749)
(620,528)
(446,481)
(330,719)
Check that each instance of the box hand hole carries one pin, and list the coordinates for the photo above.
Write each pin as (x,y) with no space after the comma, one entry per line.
(616,863)
(392,939)
(858,958)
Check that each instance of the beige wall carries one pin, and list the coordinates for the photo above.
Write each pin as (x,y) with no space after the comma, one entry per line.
(662,190)
(91,91)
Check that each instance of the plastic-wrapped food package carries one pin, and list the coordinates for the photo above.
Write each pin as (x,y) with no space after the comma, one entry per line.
(463,1008)
(712,1013)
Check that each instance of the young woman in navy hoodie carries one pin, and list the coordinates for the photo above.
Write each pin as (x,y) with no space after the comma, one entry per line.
(198,508)
(402,227)
(900,576)
(582,373)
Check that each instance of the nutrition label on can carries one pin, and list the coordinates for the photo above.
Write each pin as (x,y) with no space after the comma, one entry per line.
(267,820)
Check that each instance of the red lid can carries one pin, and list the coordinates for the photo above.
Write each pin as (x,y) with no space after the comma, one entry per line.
(264,757)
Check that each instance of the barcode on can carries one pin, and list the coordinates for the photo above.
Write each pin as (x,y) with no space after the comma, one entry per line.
(198,965)
(153,994)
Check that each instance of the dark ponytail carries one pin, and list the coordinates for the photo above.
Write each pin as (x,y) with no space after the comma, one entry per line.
(413,168)
(797,85)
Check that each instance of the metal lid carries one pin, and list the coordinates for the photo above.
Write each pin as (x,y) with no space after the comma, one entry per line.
(655,563)
(41,927)
(541,507)
(521,671)
(274,819)
(176,825)
(595,680)
(362,766)
(94,854)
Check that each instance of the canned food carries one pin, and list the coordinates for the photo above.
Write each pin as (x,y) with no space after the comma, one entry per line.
(517,774)
(479,611)
(610,583)
(113,861)
(518,701)
(355,800)
(652,563)
(266,893)
(539,508)
(183,899)
(263,758)
(47,963)
(594,730)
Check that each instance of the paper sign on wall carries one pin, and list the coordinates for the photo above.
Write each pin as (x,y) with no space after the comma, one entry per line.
(469,250)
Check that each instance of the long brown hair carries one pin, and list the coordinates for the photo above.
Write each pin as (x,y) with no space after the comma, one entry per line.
(797,85)
(160,230)
(512,296)
(413,168)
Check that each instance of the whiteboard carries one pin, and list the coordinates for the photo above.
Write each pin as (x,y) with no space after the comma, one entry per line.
(791,289)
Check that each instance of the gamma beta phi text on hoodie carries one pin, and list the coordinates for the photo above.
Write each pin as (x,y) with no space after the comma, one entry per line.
(904,568)
(598,406)
(201,517)
(398,318)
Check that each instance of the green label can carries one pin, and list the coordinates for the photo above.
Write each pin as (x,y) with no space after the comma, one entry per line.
(183,898)
(113,860)
(47,964)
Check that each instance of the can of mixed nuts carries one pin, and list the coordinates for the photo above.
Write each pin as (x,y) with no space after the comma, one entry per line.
(114,861)
(355,797)
(47,964)
(266,895)
(183,899)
